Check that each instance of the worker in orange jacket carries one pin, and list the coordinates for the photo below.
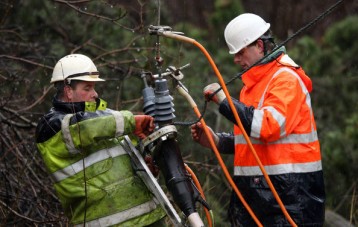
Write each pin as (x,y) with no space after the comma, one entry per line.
(275,110)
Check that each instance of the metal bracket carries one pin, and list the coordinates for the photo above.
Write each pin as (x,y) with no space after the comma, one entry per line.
(173,72)
(160,29)
(163,133)
(150,181)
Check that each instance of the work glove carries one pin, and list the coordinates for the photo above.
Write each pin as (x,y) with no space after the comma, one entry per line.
(210,89)
(144,125)
(199,136)
(151,165)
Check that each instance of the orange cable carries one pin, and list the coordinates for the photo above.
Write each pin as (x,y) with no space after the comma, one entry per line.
(218,156)
(197,184)
(223,86)
(224,168)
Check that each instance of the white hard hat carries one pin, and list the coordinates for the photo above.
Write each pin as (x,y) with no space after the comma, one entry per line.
(75,67)
(244,30)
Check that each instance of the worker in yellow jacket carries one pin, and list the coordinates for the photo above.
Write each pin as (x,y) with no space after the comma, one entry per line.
(79,140)
(275,110)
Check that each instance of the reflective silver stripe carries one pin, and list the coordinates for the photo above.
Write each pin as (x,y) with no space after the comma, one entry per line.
(305,91)
(122,216)
(278,169)
(292,139)
(87,161)
(281,120)
(258,118)
(256,124)
(303,87)
(263,94)
(118,117)
(65,128)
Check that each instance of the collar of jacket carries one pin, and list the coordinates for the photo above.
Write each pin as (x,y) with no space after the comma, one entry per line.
(272,56)
(258,72)
(73,107)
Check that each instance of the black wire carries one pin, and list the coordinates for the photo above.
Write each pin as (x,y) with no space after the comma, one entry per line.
(238,75)
(188,123)
(310,24)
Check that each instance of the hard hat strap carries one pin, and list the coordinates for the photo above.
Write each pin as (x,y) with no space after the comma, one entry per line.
(68,79)
(83,74)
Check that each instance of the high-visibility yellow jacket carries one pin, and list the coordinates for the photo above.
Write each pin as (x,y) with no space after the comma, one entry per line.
(94,180)
(283,133)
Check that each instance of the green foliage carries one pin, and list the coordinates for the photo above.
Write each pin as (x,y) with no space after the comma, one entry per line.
(41,32)
(306,52)
(333,67)
(224,12)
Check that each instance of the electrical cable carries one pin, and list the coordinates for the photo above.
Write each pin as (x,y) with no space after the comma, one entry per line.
(198,185)
(214,148)
(307,26)
(233,109)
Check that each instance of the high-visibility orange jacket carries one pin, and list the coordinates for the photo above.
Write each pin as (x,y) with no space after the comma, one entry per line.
(283,132)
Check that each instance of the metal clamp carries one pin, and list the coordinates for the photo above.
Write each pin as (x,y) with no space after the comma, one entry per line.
(160,29)
(173,72)
(163,133)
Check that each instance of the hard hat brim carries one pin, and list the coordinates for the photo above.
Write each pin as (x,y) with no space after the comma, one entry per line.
(91,78)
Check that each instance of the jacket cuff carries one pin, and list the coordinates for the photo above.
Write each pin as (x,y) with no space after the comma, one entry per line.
(226,143)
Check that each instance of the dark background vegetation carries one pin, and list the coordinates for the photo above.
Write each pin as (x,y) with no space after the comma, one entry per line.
(35,34)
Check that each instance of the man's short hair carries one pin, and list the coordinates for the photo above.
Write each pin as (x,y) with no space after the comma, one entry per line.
(60,86)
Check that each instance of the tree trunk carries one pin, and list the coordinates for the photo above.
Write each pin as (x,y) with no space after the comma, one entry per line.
(333,219)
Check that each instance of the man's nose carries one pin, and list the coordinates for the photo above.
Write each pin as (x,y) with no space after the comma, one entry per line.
(95,95)
(237,59)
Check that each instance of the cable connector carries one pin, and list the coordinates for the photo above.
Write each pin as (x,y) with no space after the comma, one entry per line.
(159,30)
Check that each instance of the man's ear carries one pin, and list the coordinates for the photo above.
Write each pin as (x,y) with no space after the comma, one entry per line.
(260,44)
(68,93)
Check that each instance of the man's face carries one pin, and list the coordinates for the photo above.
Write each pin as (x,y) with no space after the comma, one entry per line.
(249,55)
(83,92)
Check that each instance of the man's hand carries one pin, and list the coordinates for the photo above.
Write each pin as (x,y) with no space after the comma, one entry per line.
(151,165)
(144,125)
(210,89)
(199,136)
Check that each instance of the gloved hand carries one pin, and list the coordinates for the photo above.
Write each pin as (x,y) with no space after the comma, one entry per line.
(210,89)
(199,136)
(151,165)
(144,124)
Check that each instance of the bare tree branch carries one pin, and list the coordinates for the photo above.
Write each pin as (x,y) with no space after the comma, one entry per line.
(40,99)
(22,216)
(29,122)
(26,60)
(78,9)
